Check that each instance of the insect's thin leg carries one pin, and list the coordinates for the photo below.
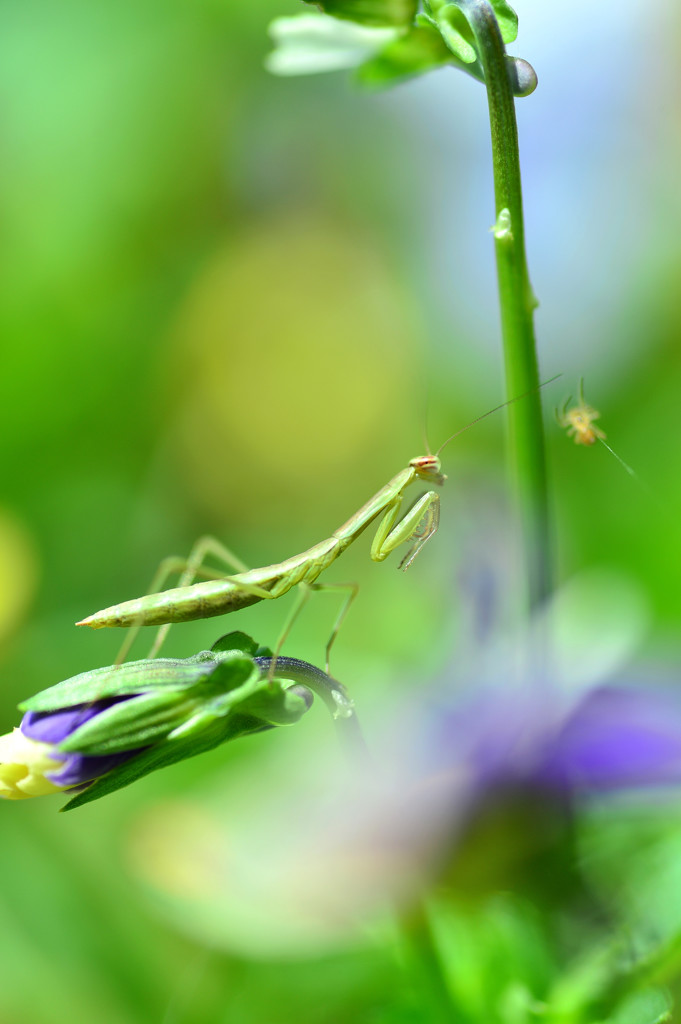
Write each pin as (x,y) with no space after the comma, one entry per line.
(561,417)
(205,547)
(302,596)
(170,566)
(304,592)
(188,568)
(353,591)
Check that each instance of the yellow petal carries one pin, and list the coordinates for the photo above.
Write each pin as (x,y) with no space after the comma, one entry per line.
(23,763)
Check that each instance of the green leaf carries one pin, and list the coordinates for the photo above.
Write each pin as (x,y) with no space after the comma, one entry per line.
(370,12)
(412,54)
(311,43)
(210,732)
(651,1006)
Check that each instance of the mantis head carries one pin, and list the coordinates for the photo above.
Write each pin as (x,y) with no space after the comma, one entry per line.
(427,467)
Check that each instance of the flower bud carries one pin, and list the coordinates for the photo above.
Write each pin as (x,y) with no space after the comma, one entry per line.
(100,730)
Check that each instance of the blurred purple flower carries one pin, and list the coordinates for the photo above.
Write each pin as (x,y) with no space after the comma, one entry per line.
(476,781)
(613,738)
(618,738)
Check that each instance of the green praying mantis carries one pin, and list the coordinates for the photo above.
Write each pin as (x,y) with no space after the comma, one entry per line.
(219,595)
(225,594)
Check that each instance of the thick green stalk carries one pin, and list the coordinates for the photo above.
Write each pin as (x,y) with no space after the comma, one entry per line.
(517,302)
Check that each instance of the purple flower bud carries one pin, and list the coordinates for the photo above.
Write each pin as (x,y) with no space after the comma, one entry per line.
(104,728)
(29,753)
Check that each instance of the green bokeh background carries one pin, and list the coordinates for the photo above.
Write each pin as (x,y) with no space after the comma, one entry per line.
(228,300)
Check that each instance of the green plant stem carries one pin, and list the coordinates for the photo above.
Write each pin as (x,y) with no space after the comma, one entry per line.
(517,303)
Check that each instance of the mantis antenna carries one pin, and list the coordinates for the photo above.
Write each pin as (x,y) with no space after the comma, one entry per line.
(496,409)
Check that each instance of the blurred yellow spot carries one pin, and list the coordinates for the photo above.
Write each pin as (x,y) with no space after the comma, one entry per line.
(295,352)
(177,849)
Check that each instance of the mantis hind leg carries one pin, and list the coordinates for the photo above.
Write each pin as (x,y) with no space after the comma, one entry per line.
(304,591)
(352,590)
(187,570)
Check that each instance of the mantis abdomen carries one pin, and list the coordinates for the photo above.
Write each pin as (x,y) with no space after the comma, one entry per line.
(219,596)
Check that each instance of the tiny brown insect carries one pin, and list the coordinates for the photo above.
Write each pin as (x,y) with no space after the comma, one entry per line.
(579,421)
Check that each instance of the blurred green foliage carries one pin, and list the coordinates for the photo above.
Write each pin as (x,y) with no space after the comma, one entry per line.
(227,301)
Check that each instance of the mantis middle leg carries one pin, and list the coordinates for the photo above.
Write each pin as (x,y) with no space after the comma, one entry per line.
(188,568)
(304,590)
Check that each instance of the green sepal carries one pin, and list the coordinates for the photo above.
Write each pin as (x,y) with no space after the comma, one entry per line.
(208,732)
(272,703)
(277,705)
(132,724)
(375,13)
(151,717)
(236,641)
(451,23)
(118,680)
(507,19)
(263,652)
(449,17)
